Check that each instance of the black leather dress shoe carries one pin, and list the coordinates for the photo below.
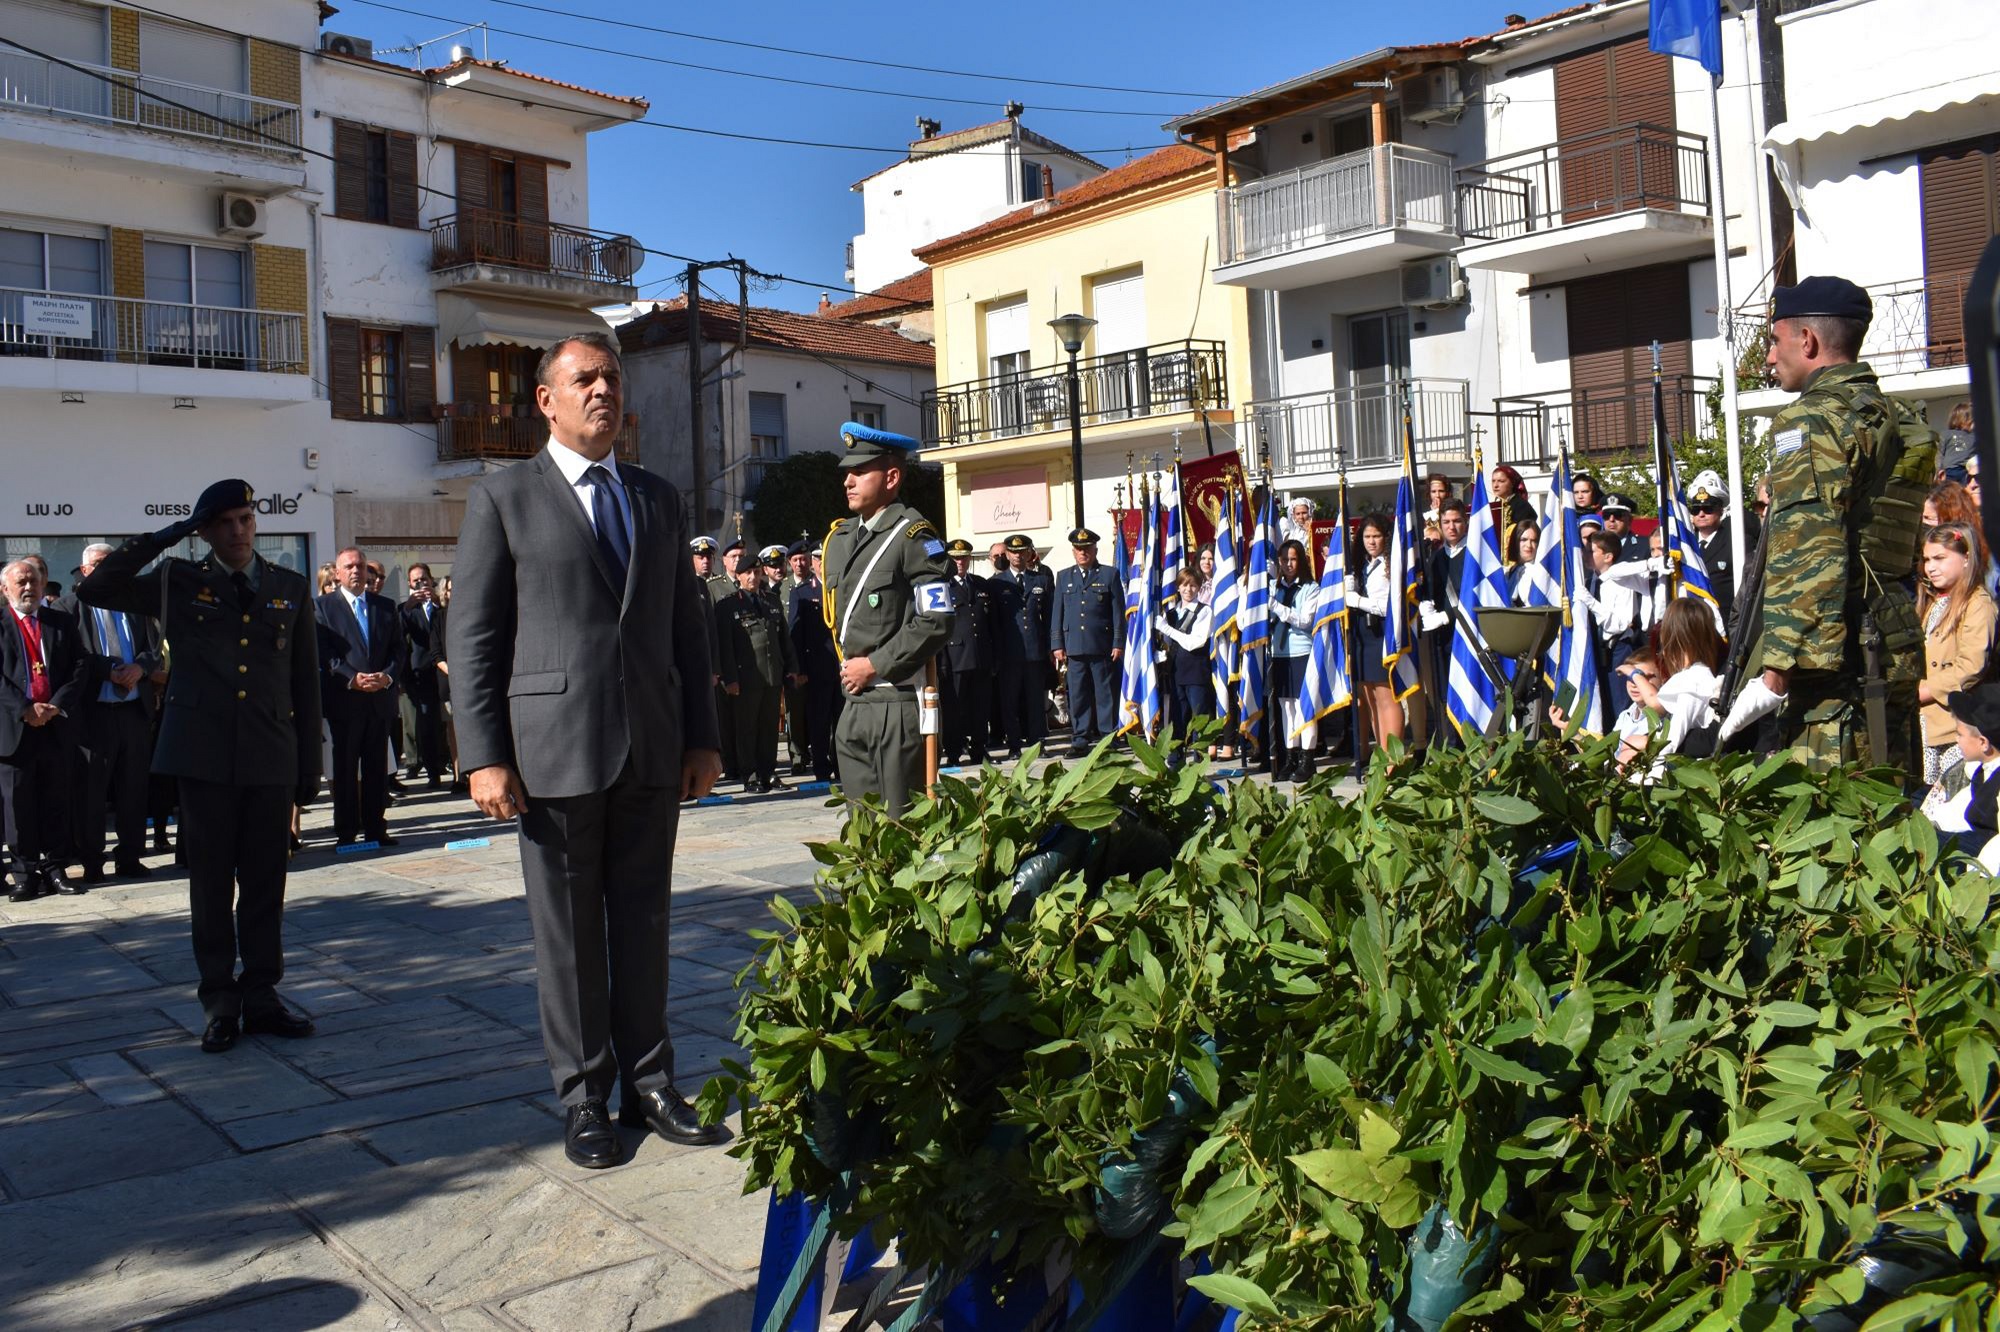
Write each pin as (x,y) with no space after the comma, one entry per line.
(132,870)
(25,890)
(55,881)
(383,839)
(218,1035)
(670,1116)
(91,874)
(279,1021)
(588,1138)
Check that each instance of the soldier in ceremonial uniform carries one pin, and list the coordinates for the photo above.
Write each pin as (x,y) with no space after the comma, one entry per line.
(812,647)
(1848,477)
(888,603)
(760,663)
(1027,597)
(1086,634)
(965,667)
(240,730)
(793,566)
(721,582)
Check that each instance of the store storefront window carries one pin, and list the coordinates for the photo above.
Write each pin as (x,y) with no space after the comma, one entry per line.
(64,552)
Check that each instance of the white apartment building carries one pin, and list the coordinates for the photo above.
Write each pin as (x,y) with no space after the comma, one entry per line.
(950,183)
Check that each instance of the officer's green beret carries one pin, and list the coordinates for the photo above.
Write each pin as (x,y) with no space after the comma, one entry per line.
(221,497)
(1833,296)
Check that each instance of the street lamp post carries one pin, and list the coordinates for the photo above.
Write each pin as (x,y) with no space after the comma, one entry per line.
(1070,330)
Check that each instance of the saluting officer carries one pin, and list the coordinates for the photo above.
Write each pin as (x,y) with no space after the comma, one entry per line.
(888,603)
(240,730)
(1086,632)
(966,664)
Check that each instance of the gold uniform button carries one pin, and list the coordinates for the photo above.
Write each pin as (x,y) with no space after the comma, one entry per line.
(242,642)
(241,695)
(246,619)
(243,670)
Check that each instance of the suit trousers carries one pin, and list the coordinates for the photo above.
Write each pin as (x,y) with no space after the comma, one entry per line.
(35,786)
(597,869)
(966,698)
(360,786)
(822,696)
(880,747)
(756,708)
(236,842)
(1023,692)
(117,754)
(1093,699)
(428,710)
(798,727)
(725,722)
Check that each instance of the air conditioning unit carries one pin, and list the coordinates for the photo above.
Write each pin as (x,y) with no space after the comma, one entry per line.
(240,215)
(1433,284)
(341,44)
(1432,95)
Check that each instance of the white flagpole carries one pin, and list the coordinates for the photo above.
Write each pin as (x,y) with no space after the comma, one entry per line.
(1732,425)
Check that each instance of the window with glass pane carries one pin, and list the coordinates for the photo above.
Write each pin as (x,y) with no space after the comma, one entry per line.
(381,373)
(21,260)
(76,263)
(218,278)
(767,425)
(869,414)
(377,176)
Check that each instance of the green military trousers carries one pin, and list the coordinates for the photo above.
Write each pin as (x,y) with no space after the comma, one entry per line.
(880,748)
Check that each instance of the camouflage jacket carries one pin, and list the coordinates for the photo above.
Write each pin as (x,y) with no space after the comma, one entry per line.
(1825,450)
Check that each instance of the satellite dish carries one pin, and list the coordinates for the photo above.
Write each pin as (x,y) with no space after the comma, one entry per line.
(619,256)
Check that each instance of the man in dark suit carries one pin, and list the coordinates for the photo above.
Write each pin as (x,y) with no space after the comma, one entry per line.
(965,666)
(123,662)
(580,675)
(812,647)
(1025,596)
(361,648)
(423,647)
(42,682)
(240,730)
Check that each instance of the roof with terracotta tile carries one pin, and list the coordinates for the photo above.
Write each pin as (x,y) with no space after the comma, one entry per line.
(777,330)
(905,293)
(1154,168)
(499,67)
(977,136)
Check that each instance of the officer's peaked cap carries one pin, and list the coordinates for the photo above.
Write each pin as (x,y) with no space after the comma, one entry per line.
(703,545)
(1618,503)
(1083,536)
(863,445)
(1707,488)
(959,548)
(1018,542)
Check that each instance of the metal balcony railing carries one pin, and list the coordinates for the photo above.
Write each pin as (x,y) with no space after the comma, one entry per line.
(1624,169)
(123,97)
(1340,429)
(1391,185)
(1120,386)
(469,431)
(114,328)
(1919,324)
(481,236)
(1530,430)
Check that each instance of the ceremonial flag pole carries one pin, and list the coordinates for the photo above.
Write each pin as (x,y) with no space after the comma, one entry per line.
(1400,641)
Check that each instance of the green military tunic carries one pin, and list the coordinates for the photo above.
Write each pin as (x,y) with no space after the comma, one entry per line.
(890,603)
(760,660)
(795,695)
(720,586)
(1829,450)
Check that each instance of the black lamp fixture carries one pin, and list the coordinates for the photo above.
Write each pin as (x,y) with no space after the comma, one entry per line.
(1071,330)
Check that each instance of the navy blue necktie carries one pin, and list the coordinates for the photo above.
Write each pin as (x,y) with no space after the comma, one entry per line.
(609,521)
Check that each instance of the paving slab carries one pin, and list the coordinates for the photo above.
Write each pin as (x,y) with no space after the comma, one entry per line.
(56,1155)
(346,1116)
(114,1080)
(692,1197)
(42,1091)
(667,1291)
(247,1081)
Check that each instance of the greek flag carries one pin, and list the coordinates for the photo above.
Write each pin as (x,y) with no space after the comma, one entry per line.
(1579,691)
(1470,696)
(1172,551)
(1138,684)
(1222,652)
(1399,627)
(1253,621)
(1541,583)
(1686,571)
(1328,685)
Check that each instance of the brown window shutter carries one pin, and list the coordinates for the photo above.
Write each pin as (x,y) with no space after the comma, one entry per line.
(350,169)
(468,375)
(403,201)
(419,372)
(343,368)
(1642,85)
(474,167)
(1613,321)
(1960,196)
(531,181)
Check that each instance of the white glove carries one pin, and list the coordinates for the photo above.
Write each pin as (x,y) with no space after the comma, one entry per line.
(1430,617)
(1756,700)
(1658,564)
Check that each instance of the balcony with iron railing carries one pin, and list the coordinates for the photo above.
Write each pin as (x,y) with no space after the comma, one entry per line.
(479,249)
(1915,342)
(1625,195)
(70,326)
(148,102)
(482,432)
(1362,212)
(1154,381)
(1352,429)
(1532,429)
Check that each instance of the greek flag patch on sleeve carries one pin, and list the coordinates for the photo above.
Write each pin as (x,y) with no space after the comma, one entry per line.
(933,548)
(933,598)
(1787,441)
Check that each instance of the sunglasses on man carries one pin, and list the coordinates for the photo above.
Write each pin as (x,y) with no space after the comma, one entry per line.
(1704,508)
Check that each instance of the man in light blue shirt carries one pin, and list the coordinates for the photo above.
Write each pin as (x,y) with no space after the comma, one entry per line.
(124,667)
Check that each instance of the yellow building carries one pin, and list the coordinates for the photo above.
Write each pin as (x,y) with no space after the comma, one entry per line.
(1163,365)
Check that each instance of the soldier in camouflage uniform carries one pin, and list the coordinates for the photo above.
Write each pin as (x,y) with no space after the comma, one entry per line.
(1847,478)
(888,603)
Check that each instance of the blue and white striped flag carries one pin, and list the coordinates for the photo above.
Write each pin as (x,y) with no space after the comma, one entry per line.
(1253,621)
(1470,694)
(1579,691)
(1687,573)
(1399,626)
(1222,647)
(1138,682)
(1172,549)
(1329,686)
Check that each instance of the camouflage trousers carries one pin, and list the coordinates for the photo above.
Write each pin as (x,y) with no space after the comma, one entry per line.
(1825,727)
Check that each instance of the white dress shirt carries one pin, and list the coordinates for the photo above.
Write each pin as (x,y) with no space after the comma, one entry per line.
(573,465)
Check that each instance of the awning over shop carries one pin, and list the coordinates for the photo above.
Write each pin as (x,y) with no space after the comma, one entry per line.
(1886,110)
(492,322)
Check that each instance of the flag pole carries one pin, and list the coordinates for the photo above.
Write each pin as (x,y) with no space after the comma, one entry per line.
(1732,420)
(1663,470)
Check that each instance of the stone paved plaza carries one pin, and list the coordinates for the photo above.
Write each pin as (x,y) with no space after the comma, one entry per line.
(401,1169)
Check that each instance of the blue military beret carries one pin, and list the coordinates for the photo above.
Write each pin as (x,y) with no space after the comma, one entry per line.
(1832,296)
(866,444)
(223,496)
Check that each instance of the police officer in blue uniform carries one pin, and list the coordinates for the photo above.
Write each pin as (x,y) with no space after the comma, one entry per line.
(240,730)
(1086,633)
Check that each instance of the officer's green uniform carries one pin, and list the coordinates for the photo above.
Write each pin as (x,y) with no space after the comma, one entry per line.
(721,585)
(1833,452)
(894,610)
(795,694)
(760,660)
(240,730)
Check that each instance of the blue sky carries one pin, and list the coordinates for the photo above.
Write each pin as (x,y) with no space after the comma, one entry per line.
(789,209)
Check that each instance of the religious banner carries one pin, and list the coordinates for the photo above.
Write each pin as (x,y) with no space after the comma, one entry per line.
(1322,533)
(1206,484)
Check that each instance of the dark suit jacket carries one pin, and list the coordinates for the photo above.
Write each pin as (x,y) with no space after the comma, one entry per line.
(100,658)
(423,648)
(344,655)
(556,670)
(62,647)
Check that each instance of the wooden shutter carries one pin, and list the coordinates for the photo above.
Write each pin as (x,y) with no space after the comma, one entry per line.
(403,202)
(475,166)
(1960,188)
(468,376)
(350,169)
(343,368)
(1613,321)
(1598,92)
(531,186)
(419,373)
